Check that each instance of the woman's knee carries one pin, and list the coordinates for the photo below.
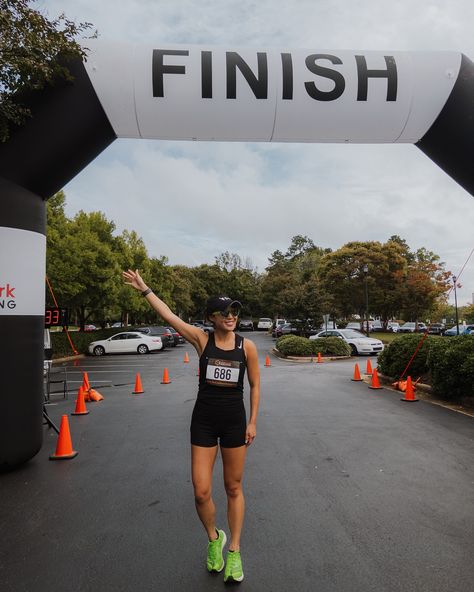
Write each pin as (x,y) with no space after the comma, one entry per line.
(233,488)
(202,494)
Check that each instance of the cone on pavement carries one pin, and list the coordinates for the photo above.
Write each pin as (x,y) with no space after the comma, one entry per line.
(375,384)
(186,358)
(166,378)
(356,373)
(368,369)
(64,449)
(267,362)
(85,381)
(95,396)
(409,392)
(319,358)
(138,385)
(80,403)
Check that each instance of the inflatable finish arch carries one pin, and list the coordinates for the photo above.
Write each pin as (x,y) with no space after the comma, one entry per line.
(198,93)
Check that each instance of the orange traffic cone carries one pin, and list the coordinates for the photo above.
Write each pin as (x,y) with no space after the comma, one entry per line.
(166,379)
(375,380)
(186,358)
(368,369)
(138,385)
(80,403)
(95,396)
(267,362)
(85,381)
(64,445)
(356,373)
(409,392)
(319,358)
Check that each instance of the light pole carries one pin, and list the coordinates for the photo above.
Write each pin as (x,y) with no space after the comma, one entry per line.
(365,269)
(456,304)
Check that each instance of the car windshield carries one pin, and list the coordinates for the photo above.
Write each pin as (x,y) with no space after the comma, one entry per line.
(352,334)
(266,320)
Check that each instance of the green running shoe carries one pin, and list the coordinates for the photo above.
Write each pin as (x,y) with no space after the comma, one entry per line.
(233,567)
(215,561)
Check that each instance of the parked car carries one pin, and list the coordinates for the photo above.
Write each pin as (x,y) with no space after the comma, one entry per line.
(264,324)
(436,329)
(279,322)
(285,329)
(393,326)
(331,325)
(178,338)
(116,325)
(359,343)
(129,342)
(165,334)
(90,328)
(412,327)
(356,325)
(245,325)
(452,331)
(463,330)
(207,328)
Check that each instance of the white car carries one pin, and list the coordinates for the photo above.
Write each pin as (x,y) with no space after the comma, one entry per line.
(264,324)
(360,344)
(129,342)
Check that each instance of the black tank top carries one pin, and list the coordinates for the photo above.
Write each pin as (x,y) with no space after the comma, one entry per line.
(221,372)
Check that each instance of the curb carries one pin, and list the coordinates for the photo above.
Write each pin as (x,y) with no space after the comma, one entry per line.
(307,359)
(68,359)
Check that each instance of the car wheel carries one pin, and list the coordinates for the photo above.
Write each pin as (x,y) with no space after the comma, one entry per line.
(354,351)
(142,349)
(99,350)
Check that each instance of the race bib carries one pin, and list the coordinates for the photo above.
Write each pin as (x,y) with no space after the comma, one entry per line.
(222,372)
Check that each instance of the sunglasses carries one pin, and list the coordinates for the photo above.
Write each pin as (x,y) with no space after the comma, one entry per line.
(228,311)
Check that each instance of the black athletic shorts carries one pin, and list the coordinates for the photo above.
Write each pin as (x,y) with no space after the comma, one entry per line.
(212,421)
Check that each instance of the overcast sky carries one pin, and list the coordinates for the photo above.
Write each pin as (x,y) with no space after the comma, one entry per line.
(191,201)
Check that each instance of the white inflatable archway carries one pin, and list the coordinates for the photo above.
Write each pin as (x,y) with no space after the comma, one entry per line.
(199,93)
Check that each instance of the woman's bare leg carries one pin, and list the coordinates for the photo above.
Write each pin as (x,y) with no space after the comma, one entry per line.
(202,464)
(233,460)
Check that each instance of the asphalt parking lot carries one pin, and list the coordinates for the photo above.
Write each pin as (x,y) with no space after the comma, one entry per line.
(347,489)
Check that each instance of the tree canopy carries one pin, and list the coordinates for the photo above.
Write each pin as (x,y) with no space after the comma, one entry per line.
(30,44)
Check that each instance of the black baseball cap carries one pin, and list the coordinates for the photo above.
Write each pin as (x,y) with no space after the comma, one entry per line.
(217,303)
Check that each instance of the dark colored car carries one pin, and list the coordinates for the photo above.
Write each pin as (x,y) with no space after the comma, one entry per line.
(436,329)
(178,338)
(165,334)
(286,329)
(246,325)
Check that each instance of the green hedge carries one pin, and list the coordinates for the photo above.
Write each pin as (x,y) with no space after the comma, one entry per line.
(446,362)
(331,346)
(393,360)
(451,363)
(290,345)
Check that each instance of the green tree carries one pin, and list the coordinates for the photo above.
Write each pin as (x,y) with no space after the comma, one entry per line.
(29,47)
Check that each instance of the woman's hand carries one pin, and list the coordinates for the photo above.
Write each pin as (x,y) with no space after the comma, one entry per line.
(134,279)
(250,433)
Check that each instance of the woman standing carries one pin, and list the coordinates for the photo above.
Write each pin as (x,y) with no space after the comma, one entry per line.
(218,417)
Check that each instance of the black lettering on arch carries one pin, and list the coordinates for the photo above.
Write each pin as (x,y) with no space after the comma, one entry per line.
(158,68)
(258,84)
(206,74)
(363,75)
(287,71)
(336,77)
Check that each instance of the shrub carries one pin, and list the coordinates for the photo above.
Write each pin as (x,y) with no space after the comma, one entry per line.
(451,362)
(290,345)
(393,360)
(330,346)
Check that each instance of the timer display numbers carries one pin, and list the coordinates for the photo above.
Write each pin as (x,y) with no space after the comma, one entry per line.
(55,317)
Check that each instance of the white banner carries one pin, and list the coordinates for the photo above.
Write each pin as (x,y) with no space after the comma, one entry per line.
(186,92)
(22,272)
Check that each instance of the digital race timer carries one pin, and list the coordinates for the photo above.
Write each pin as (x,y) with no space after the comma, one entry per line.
(55,317)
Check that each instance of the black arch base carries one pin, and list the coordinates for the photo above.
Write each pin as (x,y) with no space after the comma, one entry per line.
(67,131)
(450,140)
(21,345)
